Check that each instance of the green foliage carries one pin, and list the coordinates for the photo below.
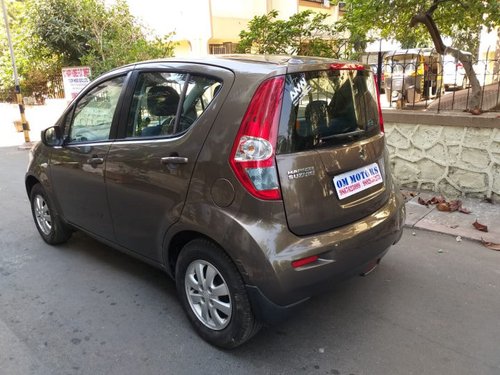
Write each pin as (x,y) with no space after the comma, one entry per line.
(59,26)
(460,20)
(305,33)
(50,34)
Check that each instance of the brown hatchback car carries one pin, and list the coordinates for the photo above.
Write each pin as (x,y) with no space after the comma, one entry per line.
(254,181)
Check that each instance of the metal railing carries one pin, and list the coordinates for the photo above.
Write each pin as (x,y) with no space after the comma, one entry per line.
(423,79)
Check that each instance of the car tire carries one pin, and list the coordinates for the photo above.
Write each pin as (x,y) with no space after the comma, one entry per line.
(213,295)
(50,226)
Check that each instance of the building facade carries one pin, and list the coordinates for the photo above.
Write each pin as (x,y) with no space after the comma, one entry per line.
(205,27)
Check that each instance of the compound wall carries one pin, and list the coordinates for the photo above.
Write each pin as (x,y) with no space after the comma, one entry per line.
(451,154)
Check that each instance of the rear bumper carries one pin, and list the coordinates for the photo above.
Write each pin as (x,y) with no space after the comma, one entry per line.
(342,253)
(271,313)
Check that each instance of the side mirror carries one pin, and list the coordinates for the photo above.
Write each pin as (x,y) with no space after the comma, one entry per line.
(52,136)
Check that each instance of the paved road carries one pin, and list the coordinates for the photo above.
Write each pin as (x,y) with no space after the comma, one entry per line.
(432,307)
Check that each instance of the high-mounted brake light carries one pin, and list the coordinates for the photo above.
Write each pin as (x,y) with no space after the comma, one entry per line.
(347,66)
(252,155)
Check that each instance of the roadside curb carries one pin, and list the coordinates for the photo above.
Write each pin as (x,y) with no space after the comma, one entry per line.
(457,224)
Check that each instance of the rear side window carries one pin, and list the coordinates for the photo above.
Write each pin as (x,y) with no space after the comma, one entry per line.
(326,107)
(168,103)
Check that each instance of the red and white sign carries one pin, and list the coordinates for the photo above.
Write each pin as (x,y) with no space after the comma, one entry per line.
(74,80)
(355,181)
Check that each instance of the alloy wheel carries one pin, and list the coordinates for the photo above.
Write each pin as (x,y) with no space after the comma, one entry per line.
(42,215)
(208,294)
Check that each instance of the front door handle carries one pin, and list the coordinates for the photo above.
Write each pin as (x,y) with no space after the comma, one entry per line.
(174,160)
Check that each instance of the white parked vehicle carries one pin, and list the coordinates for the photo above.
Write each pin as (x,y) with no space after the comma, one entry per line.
(454,76)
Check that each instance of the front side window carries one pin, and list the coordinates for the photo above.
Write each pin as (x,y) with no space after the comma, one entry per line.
(325,107)
(94,113)
(167,104)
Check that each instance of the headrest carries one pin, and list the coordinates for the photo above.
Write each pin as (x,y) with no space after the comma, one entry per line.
(162,101)
(316,113)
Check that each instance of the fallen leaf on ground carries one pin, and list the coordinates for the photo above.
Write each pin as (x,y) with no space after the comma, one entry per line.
(479,226)
(407,195)
(455,205)
(423,202)
(491,245)
(437,200)
(443,207)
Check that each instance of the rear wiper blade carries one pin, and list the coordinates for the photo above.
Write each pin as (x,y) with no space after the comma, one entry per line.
(343,135)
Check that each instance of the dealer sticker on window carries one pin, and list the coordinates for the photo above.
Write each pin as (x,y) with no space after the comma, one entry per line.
(360,179)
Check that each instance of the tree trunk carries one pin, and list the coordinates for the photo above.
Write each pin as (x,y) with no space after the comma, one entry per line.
(466,60)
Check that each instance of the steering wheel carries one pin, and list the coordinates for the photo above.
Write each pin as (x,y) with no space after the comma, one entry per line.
(167,126)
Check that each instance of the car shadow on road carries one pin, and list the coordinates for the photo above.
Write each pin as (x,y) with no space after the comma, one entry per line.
(83,245)
(319,329)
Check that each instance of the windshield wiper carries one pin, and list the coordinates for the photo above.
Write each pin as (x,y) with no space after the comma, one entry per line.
(343,135)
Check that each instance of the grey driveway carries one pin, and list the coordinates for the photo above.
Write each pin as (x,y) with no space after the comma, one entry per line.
(432,307)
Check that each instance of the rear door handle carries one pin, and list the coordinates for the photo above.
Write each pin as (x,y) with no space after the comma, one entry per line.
(95,160)
(174,160)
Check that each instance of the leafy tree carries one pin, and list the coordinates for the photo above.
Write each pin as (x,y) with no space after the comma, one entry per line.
(304,33)
(461,20)
(88,32)
(426,18)
(59,26)
(50,34)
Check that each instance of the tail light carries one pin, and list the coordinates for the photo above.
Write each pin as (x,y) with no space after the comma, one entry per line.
(252,156)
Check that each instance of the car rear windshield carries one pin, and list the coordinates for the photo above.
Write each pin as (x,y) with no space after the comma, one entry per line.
(327,107)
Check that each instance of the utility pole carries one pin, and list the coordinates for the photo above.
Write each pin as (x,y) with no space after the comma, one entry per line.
(19,97)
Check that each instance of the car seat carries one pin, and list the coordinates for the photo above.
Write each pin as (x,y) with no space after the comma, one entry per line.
(162,101)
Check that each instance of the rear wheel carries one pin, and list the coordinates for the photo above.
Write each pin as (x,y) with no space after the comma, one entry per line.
(213,295)
(50,226)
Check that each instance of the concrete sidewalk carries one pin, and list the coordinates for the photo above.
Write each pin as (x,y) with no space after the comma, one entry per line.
(455,223)
(39,117)
(490,98)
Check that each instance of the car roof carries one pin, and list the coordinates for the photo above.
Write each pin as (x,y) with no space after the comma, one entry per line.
(242,62)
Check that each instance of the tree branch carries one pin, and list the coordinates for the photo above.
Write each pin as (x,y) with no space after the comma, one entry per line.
(427,20)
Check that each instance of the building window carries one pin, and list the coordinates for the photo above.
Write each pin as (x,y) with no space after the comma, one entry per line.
(325,3)
(220,49)
(342,8)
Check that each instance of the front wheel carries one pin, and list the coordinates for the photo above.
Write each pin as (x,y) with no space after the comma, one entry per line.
(50,226)
(213,295)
